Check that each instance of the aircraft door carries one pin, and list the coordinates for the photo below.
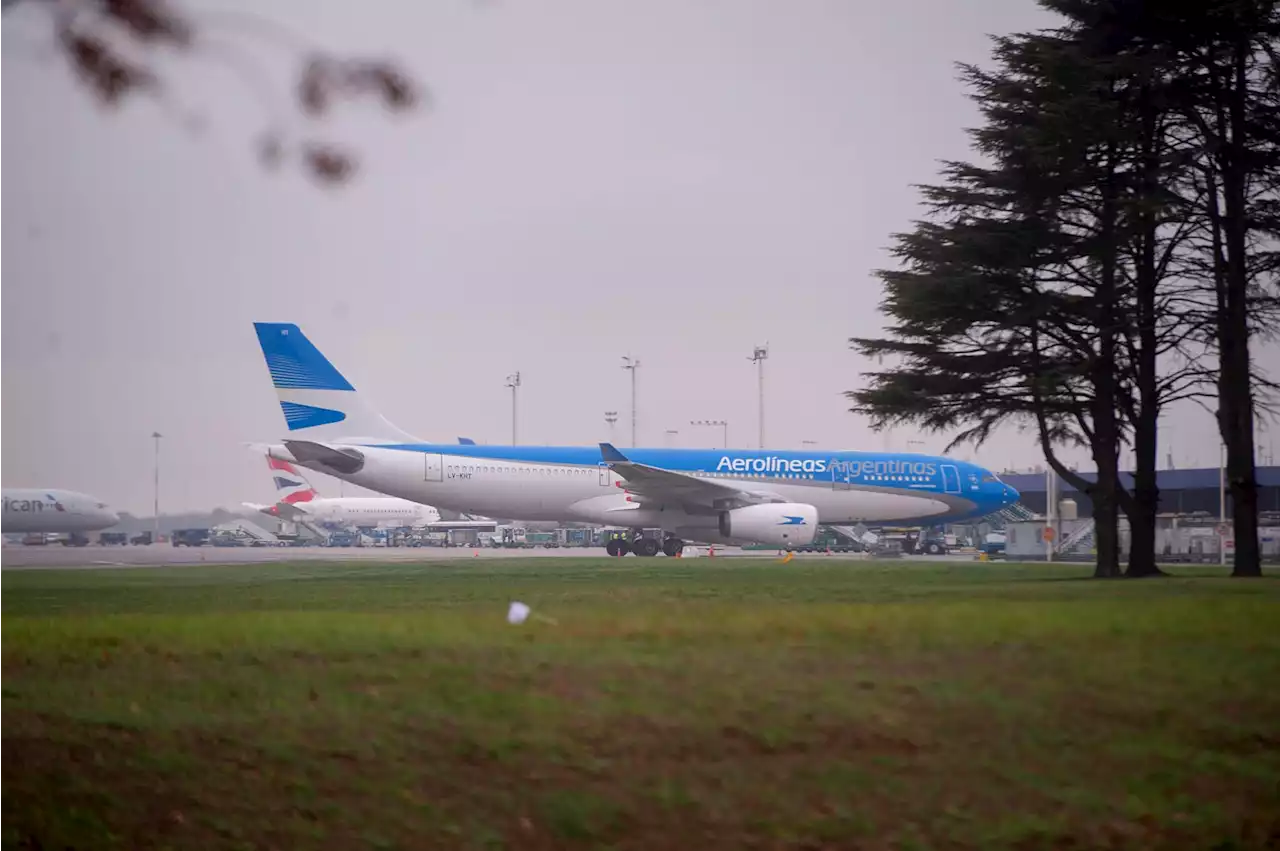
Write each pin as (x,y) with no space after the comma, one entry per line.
(950,479)
(604,475)
(840,478)
(433,467)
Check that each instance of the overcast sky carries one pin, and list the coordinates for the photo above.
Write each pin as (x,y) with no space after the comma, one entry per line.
(676,180)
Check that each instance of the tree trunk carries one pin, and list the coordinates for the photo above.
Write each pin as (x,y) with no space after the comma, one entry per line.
(1235,418)
(1106,420)
(1107,535)
(1102,493)
(1106,513)
(1142,518)
(1146,493)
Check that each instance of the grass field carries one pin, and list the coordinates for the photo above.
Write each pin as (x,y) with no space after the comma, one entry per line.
(673,704)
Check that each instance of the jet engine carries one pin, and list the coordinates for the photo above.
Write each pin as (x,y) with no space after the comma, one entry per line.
(781,524)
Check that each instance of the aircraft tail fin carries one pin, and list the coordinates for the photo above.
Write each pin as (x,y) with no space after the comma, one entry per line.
(317,401)
(291,486)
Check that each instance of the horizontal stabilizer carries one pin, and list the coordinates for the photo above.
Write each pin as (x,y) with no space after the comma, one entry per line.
(347,461)
(282,510)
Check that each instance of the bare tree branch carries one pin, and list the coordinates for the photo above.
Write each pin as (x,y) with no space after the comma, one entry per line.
(88,31)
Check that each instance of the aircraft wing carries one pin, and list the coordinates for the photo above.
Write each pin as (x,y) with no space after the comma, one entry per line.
(654,484)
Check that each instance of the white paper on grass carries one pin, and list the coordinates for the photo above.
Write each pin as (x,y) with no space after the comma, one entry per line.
(517,613)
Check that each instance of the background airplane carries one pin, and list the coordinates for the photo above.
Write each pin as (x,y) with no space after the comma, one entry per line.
(55,510)
(298,501)
(714,496)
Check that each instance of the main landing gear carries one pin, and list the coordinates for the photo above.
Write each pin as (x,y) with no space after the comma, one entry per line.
(643,546)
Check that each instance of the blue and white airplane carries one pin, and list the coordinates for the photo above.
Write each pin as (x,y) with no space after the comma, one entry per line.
(730,496)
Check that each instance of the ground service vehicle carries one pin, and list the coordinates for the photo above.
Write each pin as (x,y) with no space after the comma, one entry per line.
(191,537)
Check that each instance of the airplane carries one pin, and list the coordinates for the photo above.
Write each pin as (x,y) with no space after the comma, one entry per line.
(722,496)
(299,501)
(52,510)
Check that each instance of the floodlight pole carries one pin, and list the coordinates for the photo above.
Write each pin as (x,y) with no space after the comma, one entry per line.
(155,435)
(513,381)
(758,357)
(633,365)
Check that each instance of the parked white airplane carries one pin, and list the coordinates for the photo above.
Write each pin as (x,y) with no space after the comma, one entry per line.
(48,510)
(777,497)
(299,501)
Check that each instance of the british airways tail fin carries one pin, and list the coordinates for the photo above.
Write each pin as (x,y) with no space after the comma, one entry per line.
(291,486)
(317,401)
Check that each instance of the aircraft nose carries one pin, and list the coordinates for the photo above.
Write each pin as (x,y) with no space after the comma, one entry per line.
(1011,495)
(110,516)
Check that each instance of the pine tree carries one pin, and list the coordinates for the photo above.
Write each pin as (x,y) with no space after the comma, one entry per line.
(1088,326)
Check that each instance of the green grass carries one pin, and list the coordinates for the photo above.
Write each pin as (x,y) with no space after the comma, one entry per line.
(674,704)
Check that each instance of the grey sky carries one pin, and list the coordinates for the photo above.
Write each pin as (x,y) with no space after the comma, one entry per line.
(677,180)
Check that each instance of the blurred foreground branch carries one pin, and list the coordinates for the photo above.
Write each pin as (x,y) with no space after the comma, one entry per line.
(107,43)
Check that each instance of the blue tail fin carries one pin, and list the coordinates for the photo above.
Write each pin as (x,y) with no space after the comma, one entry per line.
(294,363)
(314,396)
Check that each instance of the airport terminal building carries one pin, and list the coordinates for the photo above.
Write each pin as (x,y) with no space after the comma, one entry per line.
(1184,492)
(1188,526)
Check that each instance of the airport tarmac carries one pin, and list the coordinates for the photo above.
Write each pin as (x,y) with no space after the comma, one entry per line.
(22,557)
(99,557)
(165,555)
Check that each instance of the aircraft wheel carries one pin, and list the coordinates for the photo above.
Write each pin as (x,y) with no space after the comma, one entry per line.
(617,547)
(646,547)
(672,546)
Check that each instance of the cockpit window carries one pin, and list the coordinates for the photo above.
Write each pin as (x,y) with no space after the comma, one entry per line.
(988,477)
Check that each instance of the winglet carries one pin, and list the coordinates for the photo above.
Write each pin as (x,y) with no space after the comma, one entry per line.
(466,441)
(611,455)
